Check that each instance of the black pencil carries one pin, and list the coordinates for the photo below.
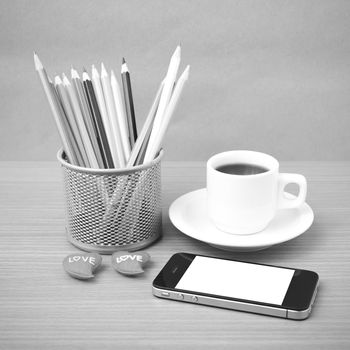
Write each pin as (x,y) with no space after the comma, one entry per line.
(97,121)
(129,103)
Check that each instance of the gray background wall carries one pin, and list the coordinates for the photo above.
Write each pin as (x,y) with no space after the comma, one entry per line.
(265,75)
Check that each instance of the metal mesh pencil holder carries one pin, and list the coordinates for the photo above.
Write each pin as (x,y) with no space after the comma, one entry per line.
(110,209)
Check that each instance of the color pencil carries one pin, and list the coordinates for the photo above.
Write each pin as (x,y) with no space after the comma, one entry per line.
(92,161)
(62,93)
(96,83)
(121,115)
(142,139)
(80,93)
(129,103)
(98,123)
(166,93)
(154,148)
(112,114)
(141,156)
(67,126)
(56,109)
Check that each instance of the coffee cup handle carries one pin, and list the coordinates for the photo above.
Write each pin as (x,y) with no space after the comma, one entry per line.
(284,180)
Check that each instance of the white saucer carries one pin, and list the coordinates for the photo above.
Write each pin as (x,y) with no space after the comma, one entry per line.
(189,214)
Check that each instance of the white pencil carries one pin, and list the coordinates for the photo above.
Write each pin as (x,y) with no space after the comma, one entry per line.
(146,128)
(153,149)
(120,109)
(166,93)
(55,108)
(112,114)
(81,124)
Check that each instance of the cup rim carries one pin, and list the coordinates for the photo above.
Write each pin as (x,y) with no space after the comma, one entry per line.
(114,171)
(271,169)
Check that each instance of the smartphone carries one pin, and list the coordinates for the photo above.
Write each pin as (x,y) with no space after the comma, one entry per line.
(238,285)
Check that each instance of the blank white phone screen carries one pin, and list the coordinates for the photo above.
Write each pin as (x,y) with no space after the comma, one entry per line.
(235,279)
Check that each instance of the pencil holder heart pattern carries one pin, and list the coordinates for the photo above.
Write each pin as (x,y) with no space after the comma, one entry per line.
(108,210)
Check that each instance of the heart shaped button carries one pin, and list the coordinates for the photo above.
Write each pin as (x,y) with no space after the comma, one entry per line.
(82,265)
(130,264)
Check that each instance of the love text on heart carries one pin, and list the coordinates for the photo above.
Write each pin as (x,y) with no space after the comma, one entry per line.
(90,259)
(129,257)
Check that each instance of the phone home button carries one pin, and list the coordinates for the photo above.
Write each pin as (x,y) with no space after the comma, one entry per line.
(194,299)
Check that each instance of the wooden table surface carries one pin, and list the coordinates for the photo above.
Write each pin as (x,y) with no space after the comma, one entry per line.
(41,307)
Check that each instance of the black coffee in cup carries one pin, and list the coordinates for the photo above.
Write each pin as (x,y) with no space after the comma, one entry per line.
(242,169)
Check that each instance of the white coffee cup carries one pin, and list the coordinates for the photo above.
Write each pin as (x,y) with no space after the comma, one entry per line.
(245,204)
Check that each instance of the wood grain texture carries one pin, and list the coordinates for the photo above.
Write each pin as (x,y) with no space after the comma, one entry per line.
(41,307)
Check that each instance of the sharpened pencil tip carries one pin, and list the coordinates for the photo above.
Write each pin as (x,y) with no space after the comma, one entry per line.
(103,69)
(125,68)
(37,62)
(65,79)
(84,70)
(94,73)
(177,51)
(186,73)
(74,73)
(85,76)
(58,80)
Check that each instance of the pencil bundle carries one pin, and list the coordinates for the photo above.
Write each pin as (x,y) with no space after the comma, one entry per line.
(95,115)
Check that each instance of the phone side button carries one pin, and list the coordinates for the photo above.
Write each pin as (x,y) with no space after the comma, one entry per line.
(165,294)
